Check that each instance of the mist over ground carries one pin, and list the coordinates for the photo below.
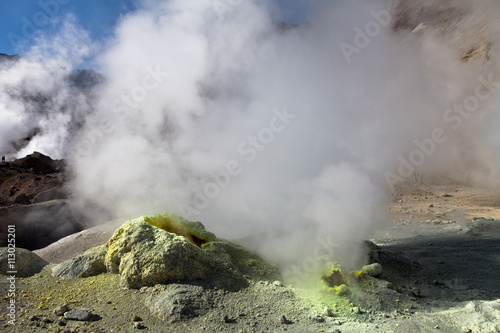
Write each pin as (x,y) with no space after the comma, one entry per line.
(288,138)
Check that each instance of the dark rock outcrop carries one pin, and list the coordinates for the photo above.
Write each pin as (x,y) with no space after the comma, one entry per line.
(39,164)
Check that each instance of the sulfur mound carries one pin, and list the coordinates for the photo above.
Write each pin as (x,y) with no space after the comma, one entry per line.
(166,248)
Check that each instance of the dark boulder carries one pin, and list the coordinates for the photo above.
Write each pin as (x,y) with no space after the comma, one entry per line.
(26,263)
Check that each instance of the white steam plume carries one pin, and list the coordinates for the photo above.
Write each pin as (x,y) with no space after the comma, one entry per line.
(279,136)
(269,134)
(38,99)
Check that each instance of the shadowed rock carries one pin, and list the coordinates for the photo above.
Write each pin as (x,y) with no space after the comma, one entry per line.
(85,264)
(26,263)
(178,302)
(82,314)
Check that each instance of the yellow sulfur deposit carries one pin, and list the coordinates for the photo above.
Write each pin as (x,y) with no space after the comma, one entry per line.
(342,290)
(193,231)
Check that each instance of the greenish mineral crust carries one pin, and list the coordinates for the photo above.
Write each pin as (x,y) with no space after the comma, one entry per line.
(166,248)
(193,231)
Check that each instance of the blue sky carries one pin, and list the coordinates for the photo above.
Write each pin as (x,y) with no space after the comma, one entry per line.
(18,18)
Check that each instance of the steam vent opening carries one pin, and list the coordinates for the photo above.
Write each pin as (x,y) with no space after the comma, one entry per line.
(193,231)
(334,278)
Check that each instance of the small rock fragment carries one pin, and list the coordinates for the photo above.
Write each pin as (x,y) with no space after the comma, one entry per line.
(228,320)
(139,325)
(82,314)
(357,310)
(277,284)
(317,318)
(328,312)
(32,318)
(136,318)
(342,290)
(372,270)
(46,320)
(465,329)
(285,321)
(60,310)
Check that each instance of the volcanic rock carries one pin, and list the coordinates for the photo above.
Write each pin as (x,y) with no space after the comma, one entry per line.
(26,262)
(30,176)
(139,325)
(39,163)
(164,249)
(327,312)
(415,292)
(85,264)
(145,255)
(22,199)
(317,318)
(81,314)
(374,270)
(60,310)
(178,302)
